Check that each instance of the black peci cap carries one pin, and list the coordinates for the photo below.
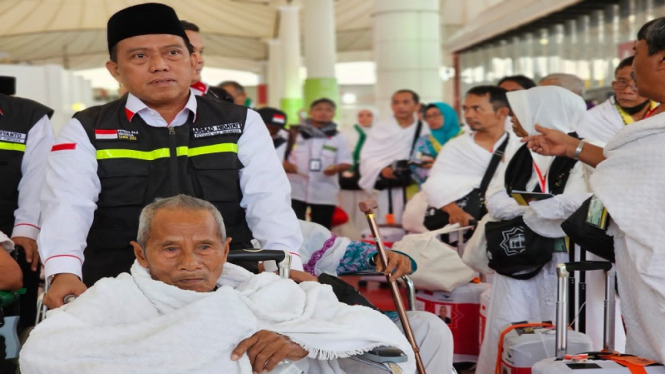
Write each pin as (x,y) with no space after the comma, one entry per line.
(143,19)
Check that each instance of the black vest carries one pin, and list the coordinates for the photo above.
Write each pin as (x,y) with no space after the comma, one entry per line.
(138,163)
(18,117)
(520,168)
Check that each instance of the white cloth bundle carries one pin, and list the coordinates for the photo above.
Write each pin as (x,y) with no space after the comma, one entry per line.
(133,324)
(440,268)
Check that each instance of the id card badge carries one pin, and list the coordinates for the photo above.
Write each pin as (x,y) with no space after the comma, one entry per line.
(315,164)
(597,214)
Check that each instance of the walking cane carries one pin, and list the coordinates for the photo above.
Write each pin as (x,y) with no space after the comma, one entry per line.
(368,207)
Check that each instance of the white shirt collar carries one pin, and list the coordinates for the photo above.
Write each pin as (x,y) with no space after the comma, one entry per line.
(135,106)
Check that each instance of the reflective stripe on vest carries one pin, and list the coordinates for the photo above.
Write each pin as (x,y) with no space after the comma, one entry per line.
(12,146)
(105,154)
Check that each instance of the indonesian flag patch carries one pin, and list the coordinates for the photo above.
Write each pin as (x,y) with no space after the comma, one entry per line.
(106,134)
(278,118)
(119,134)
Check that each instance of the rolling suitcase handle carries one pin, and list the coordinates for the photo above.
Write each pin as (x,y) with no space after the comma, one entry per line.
(563,272)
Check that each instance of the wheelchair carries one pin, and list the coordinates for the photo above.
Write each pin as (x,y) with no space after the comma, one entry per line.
(377,361)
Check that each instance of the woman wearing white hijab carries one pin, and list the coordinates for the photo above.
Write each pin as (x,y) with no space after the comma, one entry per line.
(534,299)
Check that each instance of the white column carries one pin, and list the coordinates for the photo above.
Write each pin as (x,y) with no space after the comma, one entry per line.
(320,51)
(275,82)
(289,36)
(407,49)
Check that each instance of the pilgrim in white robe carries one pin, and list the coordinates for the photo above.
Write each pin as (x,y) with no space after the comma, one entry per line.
(604,120)
(460,166)
(630,185)
(534,299)
(134,324)
(386,143)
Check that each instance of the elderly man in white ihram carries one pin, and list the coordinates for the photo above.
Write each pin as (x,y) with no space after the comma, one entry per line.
(183,309)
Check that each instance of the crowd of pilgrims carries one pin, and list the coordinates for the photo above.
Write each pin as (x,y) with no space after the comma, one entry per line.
(506,164)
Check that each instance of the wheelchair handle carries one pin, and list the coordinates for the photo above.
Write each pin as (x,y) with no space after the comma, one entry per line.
(256,255)
(69,298)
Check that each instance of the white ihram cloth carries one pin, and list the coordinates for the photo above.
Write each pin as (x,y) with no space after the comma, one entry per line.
(460,167)
(601,122)
(387,142)
(535,299)
(133,324)
(434,338)
(630,185)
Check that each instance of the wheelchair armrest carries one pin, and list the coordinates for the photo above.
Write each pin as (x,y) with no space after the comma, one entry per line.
(384,355)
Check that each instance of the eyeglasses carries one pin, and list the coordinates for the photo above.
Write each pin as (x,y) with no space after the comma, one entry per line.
(622,84)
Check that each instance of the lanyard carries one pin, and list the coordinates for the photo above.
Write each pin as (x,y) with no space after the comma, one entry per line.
(542,180)
(650,112)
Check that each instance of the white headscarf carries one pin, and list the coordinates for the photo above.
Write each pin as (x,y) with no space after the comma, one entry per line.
(551,107)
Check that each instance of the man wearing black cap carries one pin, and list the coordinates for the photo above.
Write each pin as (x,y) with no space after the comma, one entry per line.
(201,88)
(158,141)
(275,121)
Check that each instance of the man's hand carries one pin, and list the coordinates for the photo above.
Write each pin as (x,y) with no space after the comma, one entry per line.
(551,143)
(290,168)
(63,284)
(301,276)
(31,253)
(266,349)
(387,173)
(398,265)
(330,170)
(457,215)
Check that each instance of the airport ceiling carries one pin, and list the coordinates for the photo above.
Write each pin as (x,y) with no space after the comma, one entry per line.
(72,33)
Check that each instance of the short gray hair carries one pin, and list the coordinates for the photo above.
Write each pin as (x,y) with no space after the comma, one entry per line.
(176,202)
(570,82)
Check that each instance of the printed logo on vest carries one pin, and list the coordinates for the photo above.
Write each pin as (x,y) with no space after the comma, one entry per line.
(514,241)
(12,137)
(225,129)
(119,134)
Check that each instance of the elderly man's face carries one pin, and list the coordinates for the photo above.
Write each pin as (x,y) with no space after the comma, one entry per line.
(184,249)
(625,90)
(156,68)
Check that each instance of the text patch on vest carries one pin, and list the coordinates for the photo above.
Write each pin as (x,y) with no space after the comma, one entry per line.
(12,137)
(225,129)
(119,134)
